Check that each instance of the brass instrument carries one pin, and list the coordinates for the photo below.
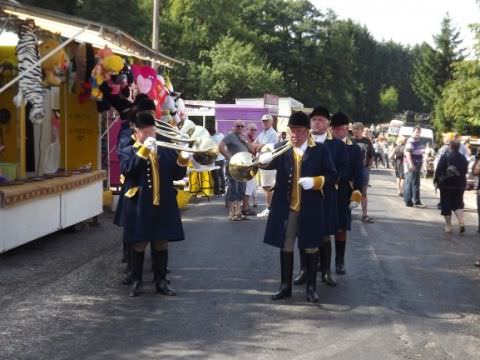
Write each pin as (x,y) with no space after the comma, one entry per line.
(204,149)
(243,166)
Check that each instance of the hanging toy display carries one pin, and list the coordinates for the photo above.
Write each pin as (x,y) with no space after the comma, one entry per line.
(54,66)
(30,86)
(108,64)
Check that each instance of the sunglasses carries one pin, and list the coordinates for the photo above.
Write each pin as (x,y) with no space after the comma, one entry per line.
(240,126)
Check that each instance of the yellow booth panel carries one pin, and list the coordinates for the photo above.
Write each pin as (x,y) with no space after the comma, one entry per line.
(8,132)
(79,131)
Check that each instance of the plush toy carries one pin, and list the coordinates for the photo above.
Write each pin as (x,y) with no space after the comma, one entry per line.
(55,64)
(108,64)
(146,79)
(30,84)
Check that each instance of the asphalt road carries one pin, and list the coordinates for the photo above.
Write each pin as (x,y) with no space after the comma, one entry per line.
(411,292)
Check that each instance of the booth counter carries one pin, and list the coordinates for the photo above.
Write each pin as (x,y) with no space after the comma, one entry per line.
(35,209)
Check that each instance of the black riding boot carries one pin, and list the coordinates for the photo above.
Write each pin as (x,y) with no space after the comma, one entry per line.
(312,266)
(159,261)
(340,257)
(286,266)
(137,271)
(301,277)
(124,252)
(128,280)
(325,261)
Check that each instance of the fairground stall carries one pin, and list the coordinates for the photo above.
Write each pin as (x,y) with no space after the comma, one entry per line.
(54,145)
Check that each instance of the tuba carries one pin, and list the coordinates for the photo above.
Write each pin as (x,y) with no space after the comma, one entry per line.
(243,166)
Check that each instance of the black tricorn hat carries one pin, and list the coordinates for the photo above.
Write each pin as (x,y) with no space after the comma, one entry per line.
(339,119)
(299,119)
(320,111)
(143,120)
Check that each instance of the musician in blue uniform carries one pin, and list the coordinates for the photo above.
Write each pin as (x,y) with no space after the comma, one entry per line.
(349,187)
(319,121)
(297,209)
(150,212)
(126,138)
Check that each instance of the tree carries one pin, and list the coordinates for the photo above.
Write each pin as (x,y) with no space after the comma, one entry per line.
(234,69)
(388,102)
(434,67)
(461,98)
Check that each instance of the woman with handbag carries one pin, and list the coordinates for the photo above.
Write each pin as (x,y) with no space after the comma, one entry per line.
(450,178)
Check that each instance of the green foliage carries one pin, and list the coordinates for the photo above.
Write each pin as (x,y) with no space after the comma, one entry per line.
(388,102)
(235,70)
(288,47)
(461,97)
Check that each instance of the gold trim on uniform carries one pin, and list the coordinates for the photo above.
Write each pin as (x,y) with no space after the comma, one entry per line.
(181,161)
(318,182)
(131,192)
(156,178)
(143,152)
(296,193)
(356,196)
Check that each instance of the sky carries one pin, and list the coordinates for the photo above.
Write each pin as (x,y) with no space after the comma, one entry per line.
(408,22)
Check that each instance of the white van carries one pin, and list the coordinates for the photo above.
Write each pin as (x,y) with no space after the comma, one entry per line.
(426,135)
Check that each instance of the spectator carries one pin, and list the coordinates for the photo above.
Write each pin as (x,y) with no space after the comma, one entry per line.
(450,178)
(218,175)
(367,156)
(413,161)
(251,186)
(231,144)
(397,155)
(268,136)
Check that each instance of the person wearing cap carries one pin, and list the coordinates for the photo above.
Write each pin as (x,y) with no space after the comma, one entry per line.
(297,210)
(267,177)
(319,121)
(350,185)
(150,212)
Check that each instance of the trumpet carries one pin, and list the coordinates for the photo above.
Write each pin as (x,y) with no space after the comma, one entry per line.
(204,149)
(243,166)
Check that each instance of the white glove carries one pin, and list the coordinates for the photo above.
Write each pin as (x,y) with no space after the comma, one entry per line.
(150,143)
(265,158)
(306,183)
(353,205)
(185,155)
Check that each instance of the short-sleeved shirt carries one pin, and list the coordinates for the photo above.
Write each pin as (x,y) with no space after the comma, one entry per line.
(269,136)
(218,137)
(367,150)
(234,143)
(416,149)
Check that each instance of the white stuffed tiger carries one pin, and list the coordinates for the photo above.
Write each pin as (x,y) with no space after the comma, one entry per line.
(30,85)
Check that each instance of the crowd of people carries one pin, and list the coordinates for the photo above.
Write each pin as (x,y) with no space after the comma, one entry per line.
(311,186)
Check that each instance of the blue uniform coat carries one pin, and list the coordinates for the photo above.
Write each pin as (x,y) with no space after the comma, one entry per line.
(142,220)
(316,161)
(125,139)
(338,151)
(351,180)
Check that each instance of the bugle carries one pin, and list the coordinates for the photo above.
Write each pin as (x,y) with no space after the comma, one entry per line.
(243,166)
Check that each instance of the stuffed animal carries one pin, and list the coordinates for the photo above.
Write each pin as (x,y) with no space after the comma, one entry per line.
(108,64)
(30,84)
(146,79)
(55,64)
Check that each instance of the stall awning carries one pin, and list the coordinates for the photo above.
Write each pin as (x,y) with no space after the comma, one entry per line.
(97,34)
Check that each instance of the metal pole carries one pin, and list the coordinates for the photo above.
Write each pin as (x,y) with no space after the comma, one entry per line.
(156,15)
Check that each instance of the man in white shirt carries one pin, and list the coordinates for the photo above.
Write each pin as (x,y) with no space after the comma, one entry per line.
(218,174)
(267,177)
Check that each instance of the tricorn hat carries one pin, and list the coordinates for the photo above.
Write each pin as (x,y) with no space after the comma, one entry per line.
(299,119)
(143,120)
(320,111)
(339,119)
